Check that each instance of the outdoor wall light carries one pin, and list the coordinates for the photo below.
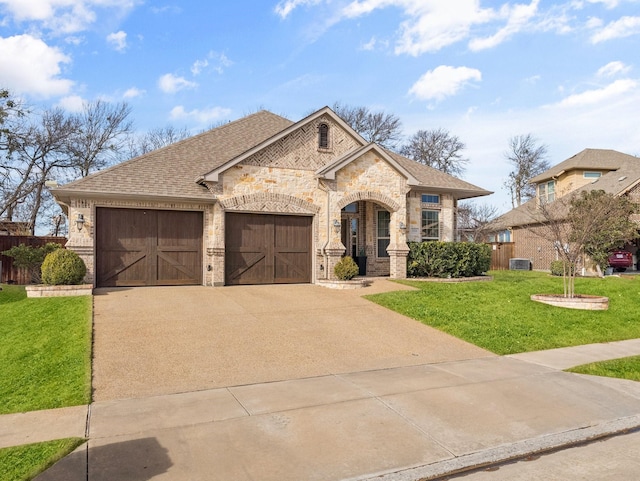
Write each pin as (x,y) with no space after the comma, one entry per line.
(402,226)
(336,225)
(79,221)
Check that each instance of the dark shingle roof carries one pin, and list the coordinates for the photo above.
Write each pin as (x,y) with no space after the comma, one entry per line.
(431,178)
(596,159)
(172,171)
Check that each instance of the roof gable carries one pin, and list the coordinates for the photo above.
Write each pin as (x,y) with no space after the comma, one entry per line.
(213,175)
(329,171)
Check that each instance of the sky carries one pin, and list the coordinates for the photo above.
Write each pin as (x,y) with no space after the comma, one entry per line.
(566,72)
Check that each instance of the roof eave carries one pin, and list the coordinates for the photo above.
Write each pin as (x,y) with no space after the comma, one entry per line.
(64,196)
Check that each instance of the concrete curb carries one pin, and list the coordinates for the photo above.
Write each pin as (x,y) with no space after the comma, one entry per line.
(512,452)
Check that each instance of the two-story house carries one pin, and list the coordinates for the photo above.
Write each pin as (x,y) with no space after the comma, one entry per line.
(608,170)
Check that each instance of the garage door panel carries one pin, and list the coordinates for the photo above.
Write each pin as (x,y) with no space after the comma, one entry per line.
(267,249)
(148,247)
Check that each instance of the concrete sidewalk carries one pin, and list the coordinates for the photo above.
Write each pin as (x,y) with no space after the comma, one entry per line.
(405,423)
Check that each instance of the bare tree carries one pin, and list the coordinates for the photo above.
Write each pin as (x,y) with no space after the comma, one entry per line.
(101,135)
(436,148)
(474,221)
(378,127)
(528,160)
(156,139)
(37,150)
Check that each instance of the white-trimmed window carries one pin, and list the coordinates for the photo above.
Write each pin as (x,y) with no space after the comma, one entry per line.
(430,225)
(383,237)
(547,191)
(592,175)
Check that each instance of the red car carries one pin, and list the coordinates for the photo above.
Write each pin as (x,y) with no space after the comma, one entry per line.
(620,260)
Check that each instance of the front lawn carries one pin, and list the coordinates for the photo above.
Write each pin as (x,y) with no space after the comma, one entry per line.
(625,368)
(45,348)
(500,316)
(22,463)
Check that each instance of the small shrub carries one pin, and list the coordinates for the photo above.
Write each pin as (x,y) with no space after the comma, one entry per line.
(63,267)
(557,268)
(346,269)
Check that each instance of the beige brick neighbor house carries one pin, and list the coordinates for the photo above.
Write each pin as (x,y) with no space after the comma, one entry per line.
(256,201)
(608,170)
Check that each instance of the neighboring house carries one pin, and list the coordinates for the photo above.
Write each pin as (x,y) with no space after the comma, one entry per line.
(608,170)
(256,201)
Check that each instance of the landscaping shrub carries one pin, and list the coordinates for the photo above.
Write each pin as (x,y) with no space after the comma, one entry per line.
(557,268)
(346,269)
(448,259)
(31,258)
(63,267)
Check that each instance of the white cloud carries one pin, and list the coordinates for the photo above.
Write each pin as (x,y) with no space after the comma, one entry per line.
(217,61)
(118,40)
(133,92)
(198,65)
(625,27)
(612,69)
(599,96)
(72,103)
(443,81)
(607,3)
(518,17)
(370,45)
(63,16)
(201,116)
(28,65)
(285,7)
(434,24)
(170,83)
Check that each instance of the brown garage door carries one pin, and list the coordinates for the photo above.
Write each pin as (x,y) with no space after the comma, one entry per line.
(267,249)
(136,247)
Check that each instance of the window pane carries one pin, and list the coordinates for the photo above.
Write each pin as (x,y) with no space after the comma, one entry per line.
(382,247)
(592,175)
(384,218)
(353,207)
(430,225)
(430,198)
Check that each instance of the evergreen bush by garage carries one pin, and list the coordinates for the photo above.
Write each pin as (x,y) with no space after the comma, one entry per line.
(346,269)
(448,259)
(63,267)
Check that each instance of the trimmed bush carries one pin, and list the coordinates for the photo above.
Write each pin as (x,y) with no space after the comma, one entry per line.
(557,268)
(63,267)
(448,259)
(346,269)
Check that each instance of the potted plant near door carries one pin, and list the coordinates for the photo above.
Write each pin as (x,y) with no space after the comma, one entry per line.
(361,260)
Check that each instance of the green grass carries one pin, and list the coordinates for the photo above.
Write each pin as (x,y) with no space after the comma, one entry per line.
(25,462)
(45,347)
(499,315)
(625,368)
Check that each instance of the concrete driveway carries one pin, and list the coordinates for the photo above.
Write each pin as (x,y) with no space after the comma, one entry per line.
(164,340)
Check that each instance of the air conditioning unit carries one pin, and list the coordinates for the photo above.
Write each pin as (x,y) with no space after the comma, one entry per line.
(519,264)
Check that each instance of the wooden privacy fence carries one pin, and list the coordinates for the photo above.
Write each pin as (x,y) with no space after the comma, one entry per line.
(501,252)
(11,274)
